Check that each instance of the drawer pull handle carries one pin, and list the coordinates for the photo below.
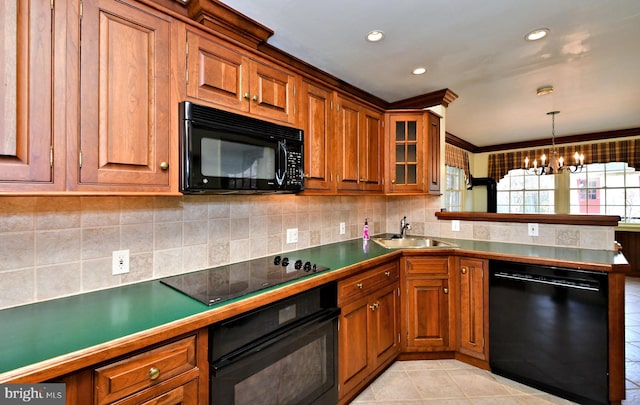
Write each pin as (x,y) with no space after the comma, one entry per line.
(387,273)
(154,373)
(374,306)
(464,270)
(359,285)
(446,290)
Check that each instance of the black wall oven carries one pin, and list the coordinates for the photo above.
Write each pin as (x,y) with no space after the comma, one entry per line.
(282,353)
(223,152)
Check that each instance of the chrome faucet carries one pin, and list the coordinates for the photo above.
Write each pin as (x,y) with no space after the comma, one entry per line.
(404,227)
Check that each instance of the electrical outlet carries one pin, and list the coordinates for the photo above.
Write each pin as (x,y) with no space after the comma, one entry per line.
(292,235)
(455,225)
(120,263)
(532,229)
(343,228)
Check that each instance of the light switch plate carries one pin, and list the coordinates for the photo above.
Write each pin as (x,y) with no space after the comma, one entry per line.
(343,228)
(532,229)
(455,225)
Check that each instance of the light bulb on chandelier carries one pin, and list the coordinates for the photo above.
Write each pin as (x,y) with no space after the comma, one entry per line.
(555,163)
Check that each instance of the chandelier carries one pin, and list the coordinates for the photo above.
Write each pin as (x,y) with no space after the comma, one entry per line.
(554,163)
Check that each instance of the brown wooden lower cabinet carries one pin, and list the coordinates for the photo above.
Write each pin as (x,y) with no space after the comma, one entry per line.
(368,335)
(168,374)
(630,242)
(473,308)
(427,306)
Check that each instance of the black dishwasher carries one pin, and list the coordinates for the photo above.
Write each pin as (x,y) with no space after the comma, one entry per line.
(548,329)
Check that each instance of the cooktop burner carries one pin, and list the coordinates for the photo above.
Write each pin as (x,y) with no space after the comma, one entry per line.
(219,284)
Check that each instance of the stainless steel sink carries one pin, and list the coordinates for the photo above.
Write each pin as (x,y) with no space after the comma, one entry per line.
(412,242)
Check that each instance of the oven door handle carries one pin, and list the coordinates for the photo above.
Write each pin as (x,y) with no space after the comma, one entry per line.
(260,344)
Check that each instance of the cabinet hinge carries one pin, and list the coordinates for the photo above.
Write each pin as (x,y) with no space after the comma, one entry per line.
(398,291)
(51,156)
(81,9)
(398,337)
(382,122)
(80,159)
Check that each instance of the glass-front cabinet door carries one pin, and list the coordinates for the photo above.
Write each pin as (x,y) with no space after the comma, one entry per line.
(406,152)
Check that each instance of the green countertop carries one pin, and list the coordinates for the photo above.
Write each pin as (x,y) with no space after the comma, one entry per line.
(42,331)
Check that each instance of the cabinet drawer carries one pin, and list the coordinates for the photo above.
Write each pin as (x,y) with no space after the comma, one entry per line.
(117,380)
(367,282)
(433,266)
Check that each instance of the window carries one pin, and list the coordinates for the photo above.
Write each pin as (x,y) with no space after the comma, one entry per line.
(520,192)
(606,189)
(599,189)
(454,189)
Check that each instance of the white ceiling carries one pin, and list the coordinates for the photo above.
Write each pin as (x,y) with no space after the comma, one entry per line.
(476,49)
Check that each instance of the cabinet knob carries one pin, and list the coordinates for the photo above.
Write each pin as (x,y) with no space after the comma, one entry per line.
(255,98)
(359,285)
(374,306)
(446,290)
(154,373)
(247,96)
(464,270)
(393,181)
(387,273)
(164,165)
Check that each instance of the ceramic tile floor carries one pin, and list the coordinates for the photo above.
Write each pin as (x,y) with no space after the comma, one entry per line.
(453,382)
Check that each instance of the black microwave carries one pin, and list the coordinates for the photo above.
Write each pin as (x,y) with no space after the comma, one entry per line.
(227,153)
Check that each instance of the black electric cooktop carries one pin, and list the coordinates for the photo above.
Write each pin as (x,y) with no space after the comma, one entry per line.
(219,284)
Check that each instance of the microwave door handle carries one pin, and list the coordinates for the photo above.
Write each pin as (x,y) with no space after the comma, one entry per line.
(282,163)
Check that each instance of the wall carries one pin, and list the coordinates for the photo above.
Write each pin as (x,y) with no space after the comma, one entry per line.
(56,246)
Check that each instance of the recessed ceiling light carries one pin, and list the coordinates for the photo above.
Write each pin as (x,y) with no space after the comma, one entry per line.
(375,36)
(419,71)
(544,90)
(537,34)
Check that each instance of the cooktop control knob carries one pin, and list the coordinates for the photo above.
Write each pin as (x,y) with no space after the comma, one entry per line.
(276,260)
(298,264)
(285,262)
(307,266)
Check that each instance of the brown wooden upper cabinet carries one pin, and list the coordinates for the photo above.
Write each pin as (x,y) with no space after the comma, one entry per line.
(406,143)
(358,147)
(434,158)
(413,142)
(316,119)
(29,151)
(125,99)
(224,75)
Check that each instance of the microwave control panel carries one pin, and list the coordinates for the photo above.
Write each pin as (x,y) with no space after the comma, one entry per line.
(294,168)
